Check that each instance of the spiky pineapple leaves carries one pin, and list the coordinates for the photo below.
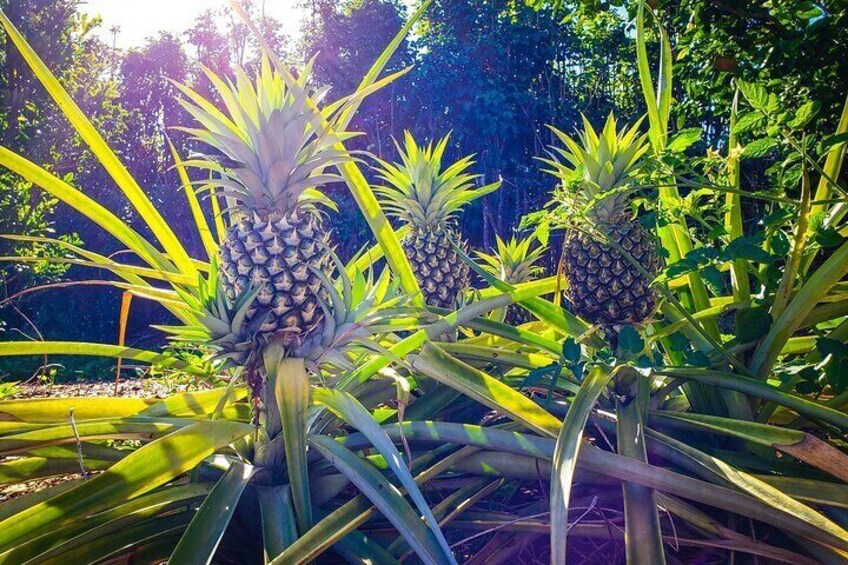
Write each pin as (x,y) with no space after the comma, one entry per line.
(357,416)
(198,544)
(350,172)
(176,252)
(568,444)
(439,365)
(139,472)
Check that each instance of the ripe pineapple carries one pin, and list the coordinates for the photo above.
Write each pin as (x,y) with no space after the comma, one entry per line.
(274,153)
(427,198)
(604,287)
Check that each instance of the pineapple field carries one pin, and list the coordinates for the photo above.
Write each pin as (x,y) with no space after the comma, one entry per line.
(607,324)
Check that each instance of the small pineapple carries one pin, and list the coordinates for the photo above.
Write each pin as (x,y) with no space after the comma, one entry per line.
(427,198)
(603,286)
(273,156)
(514,262)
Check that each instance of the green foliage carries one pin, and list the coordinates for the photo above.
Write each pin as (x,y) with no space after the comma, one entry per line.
(679,415)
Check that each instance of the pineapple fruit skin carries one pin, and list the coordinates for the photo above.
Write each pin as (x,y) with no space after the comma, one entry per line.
(604,288)
(441,272)
(282,254)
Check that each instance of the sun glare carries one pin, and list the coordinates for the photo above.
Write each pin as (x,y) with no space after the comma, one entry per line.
(128,23)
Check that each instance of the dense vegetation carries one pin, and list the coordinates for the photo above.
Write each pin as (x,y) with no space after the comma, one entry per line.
(570,288)
(494,72)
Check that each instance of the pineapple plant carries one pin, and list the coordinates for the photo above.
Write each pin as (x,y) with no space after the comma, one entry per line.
(427,198)
(604,286)
(271,153)
(513,261)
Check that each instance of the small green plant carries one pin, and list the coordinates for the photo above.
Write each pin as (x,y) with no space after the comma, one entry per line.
(514,262)
(9,389)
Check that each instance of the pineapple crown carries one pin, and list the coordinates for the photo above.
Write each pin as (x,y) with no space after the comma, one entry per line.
(514,261)
(595,165)
(275,145)
(419,191)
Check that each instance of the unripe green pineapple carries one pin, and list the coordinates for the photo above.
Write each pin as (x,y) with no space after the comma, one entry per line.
(427,198)
(603,286)
(273,156)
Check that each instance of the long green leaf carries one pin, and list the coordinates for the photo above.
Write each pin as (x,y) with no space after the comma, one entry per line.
(209,243)
(795,443)
(27,348)
(132,541)
(497,355)
(377,67)
(82,203)
(832,168)
(24,469)
(75,536)
(330,530)
(595,461)
(141,471)
(279,525)
(800,404)
(565,456)
(139,428)
(527,295)
(291,391)
(642,533)
(367,258)
(438,365)
(198,544)
(101,150)
(733,211)
(809,490)
(57,409)
(357,416)
(119,269)
(674,236)
(200,403)
(717,470)
(385,497)
(656,132)
(815,288)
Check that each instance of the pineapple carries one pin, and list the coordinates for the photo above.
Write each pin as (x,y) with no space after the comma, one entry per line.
(271,156)
(427,198)
(514,262)
(603,286)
